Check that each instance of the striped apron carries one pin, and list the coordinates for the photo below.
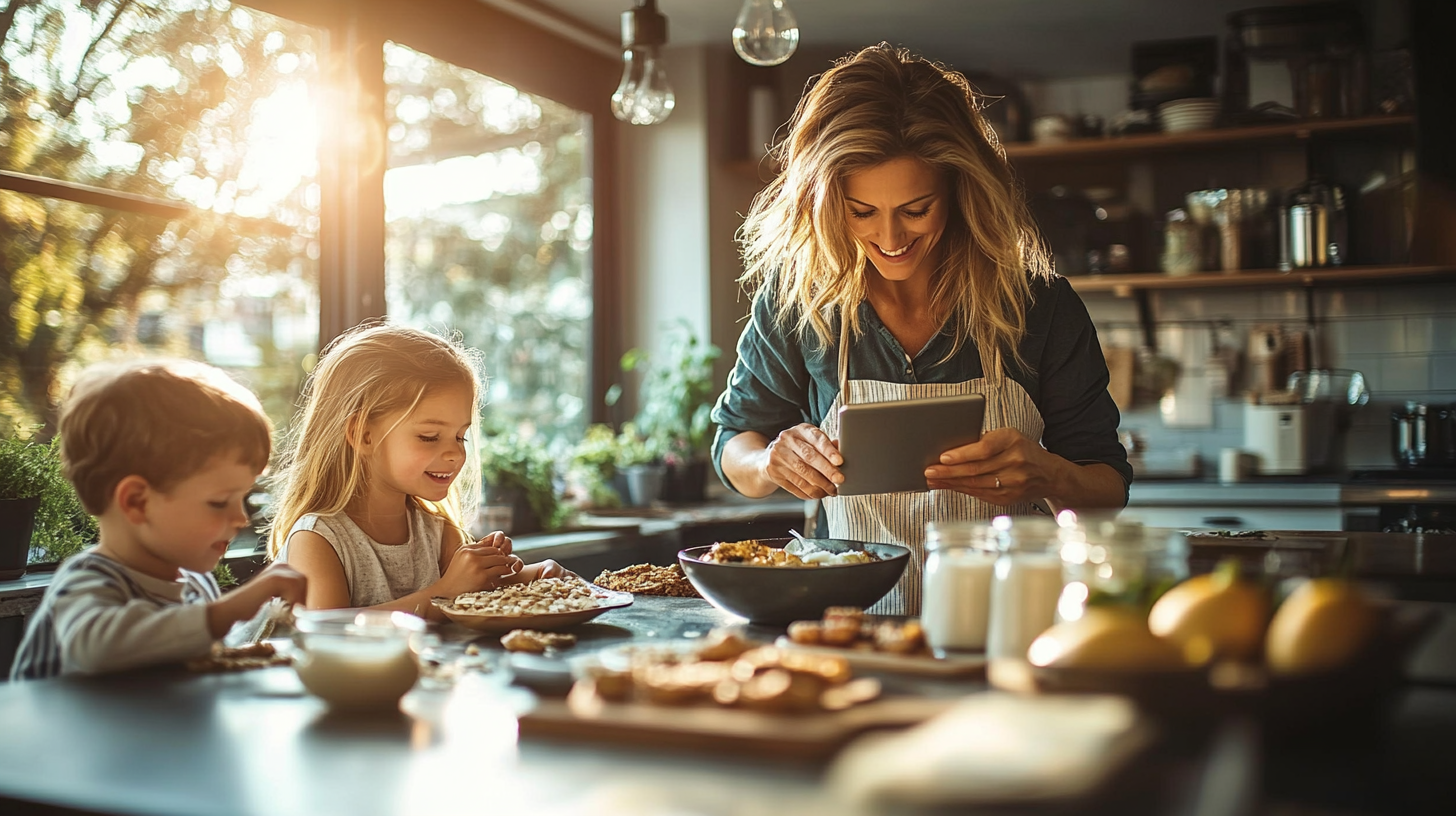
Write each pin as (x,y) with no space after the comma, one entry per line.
(899,518)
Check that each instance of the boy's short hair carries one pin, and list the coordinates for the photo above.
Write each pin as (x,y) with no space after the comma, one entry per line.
(163,420)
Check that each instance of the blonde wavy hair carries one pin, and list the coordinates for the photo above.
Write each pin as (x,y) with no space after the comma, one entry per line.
(367,373)
(877,105)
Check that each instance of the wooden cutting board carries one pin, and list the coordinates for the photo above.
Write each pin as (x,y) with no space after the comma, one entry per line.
(709,727)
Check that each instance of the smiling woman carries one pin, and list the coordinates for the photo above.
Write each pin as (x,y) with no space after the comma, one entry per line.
(894,260)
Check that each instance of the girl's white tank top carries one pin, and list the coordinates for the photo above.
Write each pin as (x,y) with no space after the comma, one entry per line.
(380,573)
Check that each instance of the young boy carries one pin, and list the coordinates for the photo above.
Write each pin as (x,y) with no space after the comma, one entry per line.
(163,452)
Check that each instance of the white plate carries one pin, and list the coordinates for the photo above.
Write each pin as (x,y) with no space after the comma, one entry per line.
(497,624)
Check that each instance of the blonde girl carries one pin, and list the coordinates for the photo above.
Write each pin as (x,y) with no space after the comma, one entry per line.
(894,258)
(380,477)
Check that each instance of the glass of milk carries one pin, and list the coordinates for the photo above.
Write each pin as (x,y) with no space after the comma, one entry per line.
(957,590)
(1026,584)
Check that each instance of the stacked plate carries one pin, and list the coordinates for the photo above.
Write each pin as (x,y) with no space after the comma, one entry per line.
(1188,114)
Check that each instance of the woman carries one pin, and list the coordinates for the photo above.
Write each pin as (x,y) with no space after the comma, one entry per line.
(894,254)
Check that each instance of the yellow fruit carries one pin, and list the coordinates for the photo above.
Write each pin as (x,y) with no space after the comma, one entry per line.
(1103,639)
(1214,615)
(1323,624)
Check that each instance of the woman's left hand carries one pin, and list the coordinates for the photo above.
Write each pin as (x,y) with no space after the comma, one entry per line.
(1003,468)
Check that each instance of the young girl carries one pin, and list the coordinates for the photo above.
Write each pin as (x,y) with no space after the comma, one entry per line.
(379,478)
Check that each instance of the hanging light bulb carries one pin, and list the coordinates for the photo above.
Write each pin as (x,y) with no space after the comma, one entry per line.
(766,32)
(643,97)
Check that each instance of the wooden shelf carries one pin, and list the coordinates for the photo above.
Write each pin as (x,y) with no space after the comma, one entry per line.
(1125,285)
(1291,133)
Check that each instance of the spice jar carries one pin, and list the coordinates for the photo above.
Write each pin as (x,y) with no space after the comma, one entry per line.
(957,588)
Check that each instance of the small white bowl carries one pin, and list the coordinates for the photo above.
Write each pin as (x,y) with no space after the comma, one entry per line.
(356,658)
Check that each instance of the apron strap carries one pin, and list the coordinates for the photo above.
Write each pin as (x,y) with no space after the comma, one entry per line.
(843,358)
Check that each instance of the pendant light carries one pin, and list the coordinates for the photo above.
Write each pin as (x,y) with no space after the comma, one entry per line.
(766,32)
(643,97)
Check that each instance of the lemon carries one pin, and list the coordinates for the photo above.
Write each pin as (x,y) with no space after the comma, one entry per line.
(1323,624)
(1103,639)
(1213,615)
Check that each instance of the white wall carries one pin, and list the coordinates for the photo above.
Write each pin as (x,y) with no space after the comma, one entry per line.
(665,213)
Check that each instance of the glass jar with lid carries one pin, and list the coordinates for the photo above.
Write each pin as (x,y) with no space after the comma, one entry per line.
(1114,562)
(957,588)
(1027,583)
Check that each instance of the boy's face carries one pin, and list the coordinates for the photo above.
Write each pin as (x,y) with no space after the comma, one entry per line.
(192,524)
(423,454)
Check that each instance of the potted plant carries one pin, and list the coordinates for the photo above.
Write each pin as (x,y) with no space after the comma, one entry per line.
(519,476)
(41,517)
(640,460)
(593,468)
(674,406)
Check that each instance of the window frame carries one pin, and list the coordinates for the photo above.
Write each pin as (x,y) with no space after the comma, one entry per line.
(472,35)
(352,160)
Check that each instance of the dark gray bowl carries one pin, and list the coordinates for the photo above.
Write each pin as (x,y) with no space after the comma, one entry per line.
(782,595)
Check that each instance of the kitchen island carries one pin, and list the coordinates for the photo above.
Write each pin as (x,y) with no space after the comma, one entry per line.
(166,742)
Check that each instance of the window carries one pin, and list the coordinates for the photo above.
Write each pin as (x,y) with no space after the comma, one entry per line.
(488,210)
(111,116)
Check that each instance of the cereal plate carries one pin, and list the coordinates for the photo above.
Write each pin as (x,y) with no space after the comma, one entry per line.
(497,623)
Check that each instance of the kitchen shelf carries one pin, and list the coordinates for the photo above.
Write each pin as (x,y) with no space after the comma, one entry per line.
(1291,133)
(1126,285)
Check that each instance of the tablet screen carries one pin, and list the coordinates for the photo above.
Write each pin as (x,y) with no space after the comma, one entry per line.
(887,445)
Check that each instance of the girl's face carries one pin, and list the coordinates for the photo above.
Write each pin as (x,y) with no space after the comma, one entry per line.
(422,454)
(897,211)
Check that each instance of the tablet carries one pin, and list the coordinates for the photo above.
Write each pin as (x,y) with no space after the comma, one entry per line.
(888,445)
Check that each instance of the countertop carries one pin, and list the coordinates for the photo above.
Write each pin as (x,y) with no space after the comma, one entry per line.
(167,743)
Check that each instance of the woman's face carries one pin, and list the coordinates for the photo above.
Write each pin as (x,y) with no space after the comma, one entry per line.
(897,211)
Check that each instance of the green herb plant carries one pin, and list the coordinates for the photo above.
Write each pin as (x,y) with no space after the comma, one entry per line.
(62,526)
(508,459)
(593,465)
(677,393)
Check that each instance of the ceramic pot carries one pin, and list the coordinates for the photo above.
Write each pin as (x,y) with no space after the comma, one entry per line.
(17,525)
(644,484)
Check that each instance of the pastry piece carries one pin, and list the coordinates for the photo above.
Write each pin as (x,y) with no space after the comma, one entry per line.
(530,640)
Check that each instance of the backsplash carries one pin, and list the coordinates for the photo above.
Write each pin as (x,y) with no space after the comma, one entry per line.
(1401,336)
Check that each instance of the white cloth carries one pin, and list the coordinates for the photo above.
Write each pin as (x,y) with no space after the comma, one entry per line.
(899,518)
(379,573)
(101,616)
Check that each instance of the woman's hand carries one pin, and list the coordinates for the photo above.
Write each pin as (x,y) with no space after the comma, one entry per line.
(1003,468)
(804,461)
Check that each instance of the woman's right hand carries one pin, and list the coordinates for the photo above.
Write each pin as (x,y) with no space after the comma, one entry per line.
(804,461)
(475,567)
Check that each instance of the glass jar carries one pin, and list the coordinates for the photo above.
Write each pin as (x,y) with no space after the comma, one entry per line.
(1182,244)
(1026,585)
(1111,562)
(957,590)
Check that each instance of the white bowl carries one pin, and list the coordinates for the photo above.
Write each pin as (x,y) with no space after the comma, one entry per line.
(356,658)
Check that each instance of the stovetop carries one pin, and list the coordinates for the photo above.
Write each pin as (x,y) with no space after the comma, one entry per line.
(1415,474)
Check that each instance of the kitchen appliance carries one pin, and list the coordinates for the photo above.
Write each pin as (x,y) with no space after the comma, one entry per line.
(1275,434)
(1305,61)
(1423,435)
(1330,396)
(1410,500)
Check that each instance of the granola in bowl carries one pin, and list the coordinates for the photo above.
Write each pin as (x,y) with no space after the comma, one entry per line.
(548,603)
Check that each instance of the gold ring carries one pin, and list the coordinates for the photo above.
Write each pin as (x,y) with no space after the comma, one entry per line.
(998,482)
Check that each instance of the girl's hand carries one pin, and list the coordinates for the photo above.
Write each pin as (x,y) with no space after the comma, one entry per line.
(1003,468)
(804,461)
(498,540)
(474,568)
(551,569)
